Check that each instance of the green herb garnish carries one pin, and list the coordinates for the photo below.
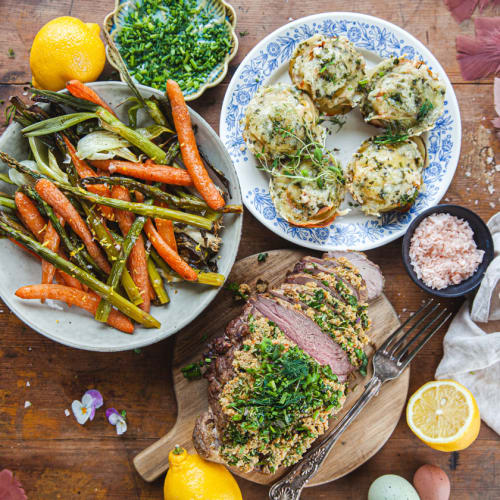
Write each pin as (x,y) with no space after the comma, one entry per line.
(235,288)
(262,257)
(390,138)
(192,371)
(288,383)
(243,33)
(424,110)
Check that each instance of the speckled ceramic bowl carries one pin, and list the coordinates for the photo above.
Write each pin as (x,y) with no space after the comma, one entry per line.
(113,21)
(77,328)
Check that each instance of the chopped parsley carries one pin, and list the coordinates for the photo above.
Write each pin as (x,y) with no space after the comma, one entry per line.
(288,385)
(192,371)
(262,257)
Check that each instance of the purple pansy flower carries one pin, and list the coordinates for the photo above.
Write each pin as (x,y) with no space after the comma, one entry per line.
(85,409)
(117,419)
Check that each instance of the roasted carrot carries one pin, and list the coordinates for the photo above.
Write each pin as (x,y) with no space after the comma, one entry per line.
(84,171)
(30,215)
(151,172)
(61,275)
(58,201)
(165,229)
(51,240)
(85,300)
(189,150)
(170,256)
(78,89)
(137,261)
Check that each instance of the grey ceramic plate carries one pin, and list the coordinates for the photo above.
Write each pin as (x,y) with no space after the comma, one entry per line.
(76,328)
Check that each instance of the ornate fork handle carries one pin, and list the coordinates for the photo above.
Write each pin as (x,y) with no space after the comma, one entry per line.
(290,486)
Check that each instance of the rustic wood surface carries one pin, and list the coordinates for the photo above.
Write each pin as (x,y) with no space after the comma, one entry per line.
(376,423)
(54,457)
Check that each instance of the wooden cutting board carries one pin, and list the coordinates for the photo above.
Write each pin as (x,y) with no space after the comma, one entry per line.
(363,438)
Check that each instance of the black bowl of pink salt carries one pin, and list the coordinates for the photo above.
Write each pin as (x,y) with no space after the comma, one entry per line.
(447,249)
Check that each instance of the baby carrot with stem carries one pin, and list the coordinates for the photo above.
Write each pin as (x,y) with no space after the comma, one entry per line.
(137,259)
(172,258)
(189,150)
(165,229)
(78,89)
(57,200)
(51,240)
(152,172)
(84,300)
(85,171)
(30,215)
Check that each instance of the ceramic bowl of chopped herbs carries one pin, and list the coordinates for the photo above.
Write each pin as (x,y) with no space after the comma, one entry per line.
(189,41)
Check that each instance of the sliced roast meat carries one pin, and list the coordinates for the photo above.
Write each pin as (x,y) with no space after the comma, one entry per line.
(331,267)
(306,334)
(206,437)
(371,273)
(290,314)
(304,279)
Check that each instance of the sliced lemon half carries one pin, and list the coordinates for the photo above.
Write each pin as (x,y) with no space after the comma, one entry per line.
(444,415)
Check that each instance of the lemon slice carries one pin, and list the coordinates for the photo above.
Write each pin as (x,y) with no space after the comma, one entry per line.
(444,415)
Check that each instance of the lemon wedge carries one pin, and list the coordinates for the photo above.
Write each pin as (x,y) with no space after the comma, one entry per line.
(444,415)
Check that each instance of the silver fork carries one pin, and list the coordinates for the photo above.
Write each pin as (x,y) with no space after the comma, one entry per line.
(390,360)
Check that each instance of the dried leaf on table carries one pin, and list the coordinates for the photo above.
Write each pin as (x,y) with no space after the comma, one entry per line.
(463,9)
(480,56)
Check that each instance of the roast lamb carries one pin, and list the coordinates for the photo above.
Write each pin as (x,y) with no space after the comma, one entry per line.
(281,368)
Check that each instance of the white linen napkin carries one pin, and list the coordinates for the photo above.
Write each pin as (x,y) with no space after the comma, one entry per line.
(471,355)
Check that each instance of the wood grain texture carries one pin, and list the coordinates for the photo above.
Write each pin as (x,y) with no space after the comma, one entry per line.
(359,443)
(54,457)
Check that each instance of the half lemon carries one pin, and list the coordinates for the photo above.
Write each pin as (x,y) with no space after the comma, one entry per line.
(444,415)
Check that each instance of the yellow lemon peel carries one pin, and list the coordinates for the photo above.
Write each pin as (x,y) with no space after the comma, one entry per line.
(66,49)
(190,477)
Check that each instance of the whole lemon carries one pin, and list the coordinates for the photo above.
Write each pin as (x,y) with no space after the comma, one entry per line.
(66,49)
(190,477)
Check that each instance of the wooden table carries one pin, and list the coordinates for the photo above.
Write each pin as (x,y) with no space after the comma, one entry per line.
(54,457)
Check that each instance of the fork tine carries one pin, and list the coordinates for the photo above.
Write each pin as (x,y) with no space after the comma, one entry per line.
(400,341)
(394,335)
(415,351)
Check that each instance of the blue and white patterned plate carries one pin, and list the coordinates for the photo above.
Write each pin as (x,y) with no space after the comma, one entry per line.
(267,63)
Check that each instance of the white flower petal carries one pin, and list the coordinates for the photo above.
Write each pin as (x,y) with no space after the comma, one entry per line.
(87,400)
(80,412)
(114,418)
(121,426)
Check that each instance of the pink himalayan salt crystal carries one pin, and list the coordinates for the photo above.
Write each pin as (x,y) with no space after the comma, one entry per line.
(443,251)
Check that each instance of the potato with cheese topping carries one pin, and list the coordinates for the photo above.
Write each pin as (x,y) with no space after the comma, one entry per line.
(309,196)
(328,69)
(278,121)
(403,96)
(383,177)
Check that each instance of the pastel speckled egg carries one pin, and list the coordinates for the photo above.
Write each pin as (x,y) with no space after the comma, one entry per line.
(432,483)
(392,487)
